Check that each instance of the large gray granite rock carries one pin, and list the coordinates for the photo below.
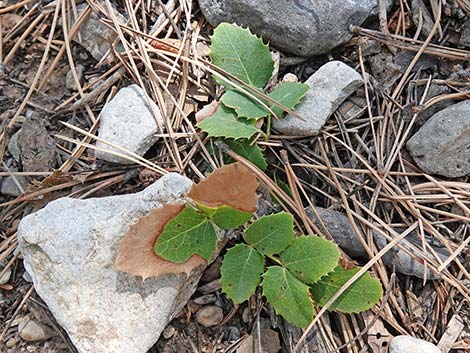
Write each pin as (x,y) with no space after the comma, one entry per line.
(302,27)
(442,145)
(340,228)
(69,249)
(330,85)
(128,121)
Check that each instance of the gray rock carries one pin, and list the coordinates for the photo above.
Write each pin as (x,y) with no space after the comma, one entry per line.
(341,230)
(442,145)
(70,81)
(95,36)
(10,187)
(30,331)
(408,344)
(127,121)
(301,27)
(69,249)
(329,87)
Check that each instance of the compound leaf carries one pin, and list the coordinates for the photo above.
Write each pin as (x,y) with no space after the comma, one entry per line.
(189,233)
(288,296)
(241,270)
(271,234)
(250,151)
(243,105)
(135,254)
(242,54)
(309,258)
(288,94)
(224,123)
(361,295)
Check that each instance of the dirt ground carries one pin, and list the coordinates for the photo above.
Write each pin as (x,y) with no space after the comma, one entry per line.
(407,80)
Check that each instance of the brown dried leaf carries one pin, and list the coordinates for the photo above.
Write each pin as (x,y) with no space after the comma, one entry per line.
(207,111)
(232,185)
(135,254)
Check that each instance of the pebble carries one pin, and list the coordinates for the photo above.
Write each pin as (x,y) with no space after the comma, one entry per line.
(210,315)
(408,344)
(69,79)
(11,342)
(6,276)
(290,77)
(168,332)
(442,145)
(303,28)
(128,122)
(30,331)
(10,187)
(329,87)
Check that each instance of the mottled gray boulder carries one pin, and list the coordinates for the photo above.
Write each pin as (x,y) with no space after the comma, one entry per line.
(95,36)
(442,145)
(301,27)
(69,249)
(408,344)
(129,122)
(330,85)
(343,233)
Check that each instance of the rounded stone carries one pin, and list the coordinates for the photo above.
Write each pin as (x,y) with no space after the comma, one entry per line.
(210,315)
(408,344)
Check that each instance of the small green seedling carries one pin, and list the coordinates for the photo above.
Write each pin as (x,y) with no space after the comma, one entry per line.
(294,272)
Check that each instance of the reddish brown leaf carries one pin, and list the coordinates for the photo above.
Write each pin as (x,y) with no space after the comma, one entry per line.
(135,254)
(232,185)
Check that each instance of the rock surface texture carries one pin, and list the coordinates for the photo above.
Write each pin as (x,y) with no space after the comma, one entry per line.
(340,228)
(301,27)
(329,87)
(129,122)
(69,248)
(95,36)
(442,145)
(408,344)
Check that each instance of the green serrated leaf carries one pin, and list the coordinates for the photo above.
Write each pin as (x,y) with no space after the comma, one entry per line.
(244,106)
(288,94)
(251,152)
(224,123)
(309,258)
(271,234)
(240,272)
(226,217)
(288,296)
(361,295)
(242,54)
(189,233)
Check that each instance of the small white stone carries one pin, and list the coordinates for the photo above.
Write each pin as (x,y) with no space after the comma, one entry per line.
(210,315)
(329,87)
(129,122)
(290,77)
(408,344)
